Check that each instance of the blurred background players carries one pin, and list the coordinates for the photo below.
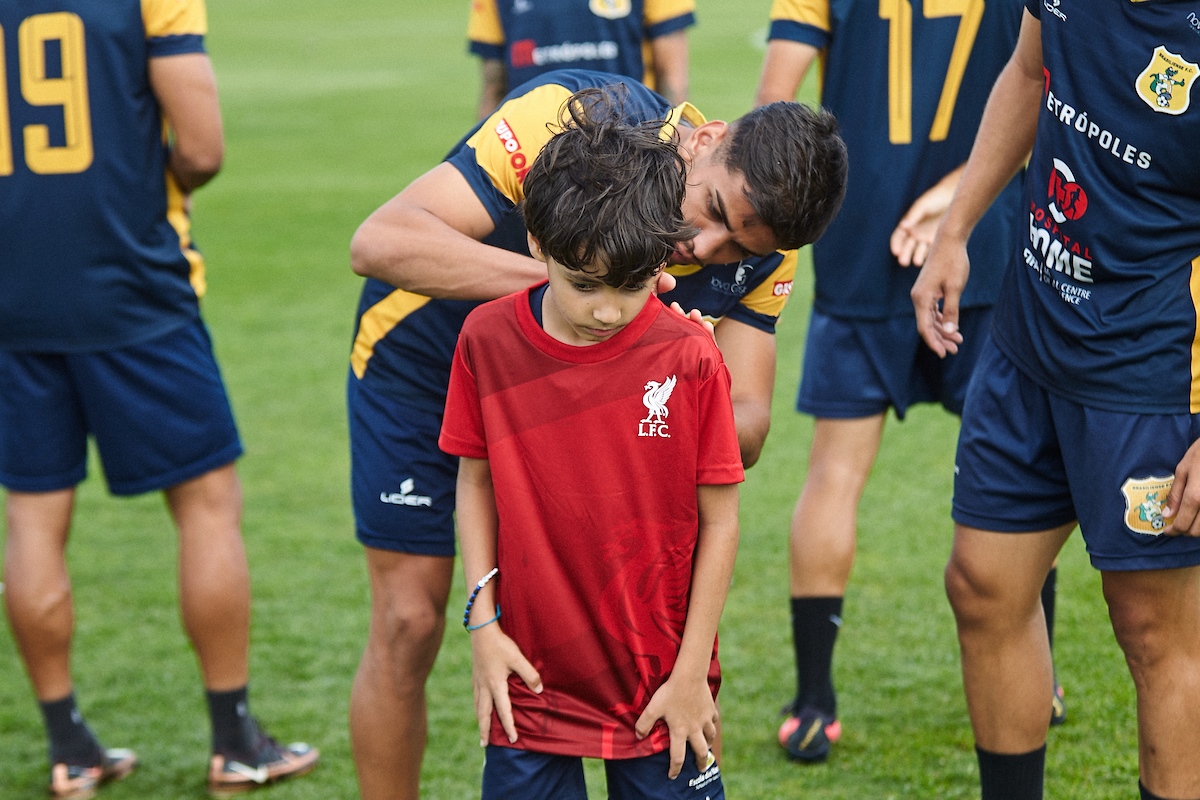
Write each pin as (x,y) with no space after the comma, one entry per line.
(908,120)
(1084,407)
(517,40)
(771,179)
(100,335)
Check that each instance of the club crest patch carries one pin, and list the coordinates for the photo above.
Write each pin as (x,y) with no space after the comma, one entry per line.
(1144,498)
(1166,82)
(611,9)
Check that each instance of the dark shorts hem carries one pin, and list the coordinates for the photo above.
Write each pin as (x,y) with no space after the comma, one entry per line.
(225,455)
(1147,562)
(394,545)
(45,483)
(993,525)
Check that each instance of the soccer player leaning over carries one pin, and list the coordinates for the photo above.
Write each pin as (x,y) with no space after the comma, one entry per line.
(597,496)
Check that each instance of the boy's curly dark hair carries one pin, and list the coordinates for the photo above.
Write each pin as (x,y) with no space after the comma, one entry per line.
(795,166)
(604,195)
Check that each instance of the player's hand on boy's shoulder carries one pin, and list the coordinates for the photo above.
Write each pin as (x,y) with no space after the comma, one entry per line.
(1181,510)
(695,316)
(495,656)
(687,708)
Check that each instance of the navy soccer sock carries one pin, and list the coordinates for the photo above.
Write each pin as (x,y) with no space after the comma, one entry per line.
(1011,777)
(71,740)
(232,728)
(1049,592)
(815,625)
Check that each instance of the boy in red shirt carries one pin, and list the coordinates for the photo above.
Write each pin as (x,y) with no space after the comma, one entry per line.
(597,491)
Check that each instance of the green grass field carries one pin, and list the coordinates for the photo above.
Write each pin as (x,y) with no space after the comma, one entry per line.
(330,109)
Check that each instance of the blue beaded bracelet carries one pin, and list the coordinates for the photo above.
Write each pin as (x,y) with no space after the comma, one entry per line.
(471,601)
(489,622)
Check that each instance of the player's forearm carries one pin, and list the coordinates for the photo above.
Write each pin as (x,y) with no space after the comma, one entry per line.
(414,250)
(753,420)
(494,86)
(475,512)
(716,549)
(1005,137)
(783,70)
(671,66)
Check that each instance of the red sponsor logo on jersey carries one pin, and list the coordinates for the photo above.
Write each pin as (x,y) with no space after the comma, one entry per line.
(516,158)
(521,53)
(1067,198)
(782,288)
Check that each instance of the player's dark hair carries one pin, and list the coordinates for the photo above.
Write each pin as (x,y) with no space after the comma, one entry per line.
(795,165)
(604,195)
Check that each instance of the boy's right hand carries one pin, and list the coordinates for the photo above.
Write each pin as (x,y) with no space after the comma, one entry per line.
(494,656)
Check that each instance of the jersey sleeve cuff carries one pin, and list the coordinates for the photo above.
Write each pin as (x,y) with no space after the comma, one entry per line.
(175,45)
(486,50)
(793,31)
(671,25)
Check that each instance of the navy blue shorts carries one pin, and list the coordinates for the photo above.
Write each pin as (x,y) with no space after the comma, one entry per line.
(512,774)
(1030,461)
(158,411)
(402,485)
(859,368)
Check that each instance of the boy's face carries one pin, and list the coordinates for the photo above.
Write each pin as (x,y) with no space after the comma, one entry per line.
(580,309)
(715,204)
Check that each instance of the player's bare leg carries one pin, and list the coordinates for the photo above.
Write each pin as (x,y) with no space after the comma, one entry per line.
(214,579)
(37,589)
(825,521)
(824,531)
(994,583)
(1156,618)
(387,704)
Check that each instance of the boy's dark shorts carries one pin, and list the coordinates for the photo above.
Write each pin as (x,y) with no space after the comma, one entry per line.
(512,774)
(859,368)
(402,485)
(158,412)
(1029,460)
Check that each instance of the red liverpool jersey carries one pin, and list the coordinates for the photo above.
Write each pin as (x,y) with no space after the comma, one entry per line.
(595,454)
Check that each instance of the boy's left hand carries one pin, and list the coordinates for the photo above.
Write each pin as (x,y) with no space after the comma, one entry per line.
(690,714)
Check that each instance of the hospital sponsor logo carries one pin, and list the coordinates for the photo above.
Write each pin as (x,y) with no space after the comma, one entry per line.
(1144,498)
(405,496)
(1166,83)
(655,400)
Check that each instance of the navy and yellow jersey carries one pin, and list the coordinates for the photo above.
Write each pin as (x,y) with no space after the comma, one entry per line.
(907,81)
(1100,303)
(404,342)
(94,243)
(533,37)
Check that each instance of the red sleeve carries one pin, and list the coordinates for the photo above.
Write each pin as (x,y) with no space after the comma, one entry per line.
(720,458)
(462,425)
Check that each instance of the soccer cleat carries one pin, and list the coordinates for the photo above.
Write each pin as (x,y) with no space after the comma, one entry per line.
(806,736)
(73,782)
(230,774)
(1058,706)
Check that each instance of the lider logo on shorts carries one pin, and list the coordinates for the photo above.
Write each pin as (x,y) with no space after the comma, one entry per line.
(1166,82)
(655,400)
(1144,498)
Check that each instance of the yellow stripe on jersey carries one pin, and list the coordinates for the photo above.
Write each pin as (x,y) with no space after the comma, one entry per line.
(507,143)
(174,17)
(178,217)
(683,269)
(656,11)
(483,23)
(377,321)
(806,12)
(770,296)
(1195,287)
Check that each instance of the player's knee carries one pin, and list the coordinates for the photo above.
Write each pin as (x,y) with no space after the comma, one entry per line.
(1142,636)
(408,635)
(971,600)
